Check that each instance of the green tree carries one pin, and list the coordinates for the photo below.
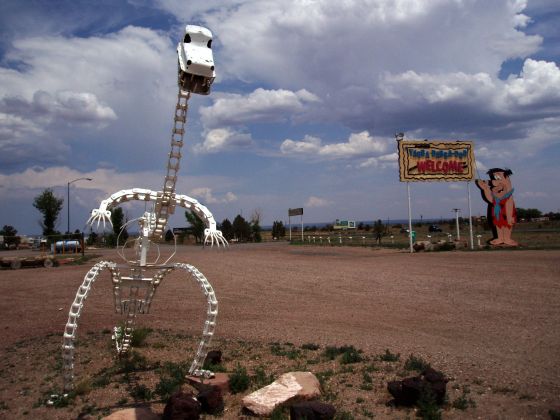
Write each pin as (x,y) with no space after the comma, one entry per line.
(197,225)
(227,229)
(378,229)
(241,228)
(256,226)
(8,230)
(9,233)
(117,218)
(528,214)
(92,238)
(49,205)
(278,229)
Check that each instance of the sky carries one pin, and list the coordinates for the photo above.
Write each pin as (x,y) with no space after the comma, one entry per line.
(303,112)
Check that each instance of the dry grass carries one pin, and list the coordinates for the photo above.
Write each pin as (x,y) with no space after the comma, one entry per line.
(356,386)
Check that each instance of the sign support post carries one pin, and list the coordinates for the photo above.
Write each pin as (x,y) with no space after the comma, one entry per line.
(290,223)
(470,213)
(409,218)
(295,212)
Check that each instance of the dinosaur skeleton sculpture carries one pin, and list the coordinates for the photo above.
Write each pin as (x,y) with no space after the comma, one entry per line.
(135,283)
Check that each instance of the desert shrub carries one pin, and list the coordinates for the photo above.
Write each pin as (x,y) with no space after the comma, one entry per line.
(83,387)
(172,376)
(239,380)
(389,357)
(139,336)
(428,408)
(463,401)
(213,368)
(323,376)
(280,413)
(415,363)
(331,352)
(310,346)
(132,363)
(166,387)
(350,355)
(260,378)
(102,379)
(141,392)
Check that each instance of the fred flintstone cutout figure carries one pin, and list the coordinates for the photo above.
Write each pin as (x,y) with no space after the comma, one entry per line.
(498,193)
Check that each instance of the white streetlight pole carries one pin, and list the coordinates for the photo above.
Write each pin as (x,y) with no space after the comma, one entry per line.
(457,222)
(68,198)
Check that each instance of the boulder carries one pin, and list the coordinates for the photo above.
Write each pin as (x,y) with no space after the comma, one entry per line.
(211,399)
(312,410)
(423,246)
(221,380)
(288,387)
(135,413)
(408,391)
(182,406)
(213,357)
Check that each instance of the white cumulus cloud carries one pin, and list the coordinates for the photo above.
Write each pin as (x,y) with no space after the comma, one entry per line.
(314,201)
(358,144)
(257,106)
(207,197)
(220,139)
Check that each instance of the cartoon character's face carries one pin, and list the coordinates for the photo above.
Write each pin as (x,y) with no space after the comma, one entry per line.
(500,184)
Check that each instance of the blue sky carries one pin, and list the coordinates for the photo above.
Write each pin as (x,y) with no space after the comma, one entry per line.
(308,97)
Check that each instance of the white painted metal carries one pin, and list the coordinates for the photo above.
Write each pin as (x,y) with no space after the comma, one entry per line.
(134,288)
(470,214)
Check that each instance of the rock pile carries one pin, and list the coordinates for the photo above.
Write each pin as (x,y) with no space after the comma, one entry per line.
(409,391)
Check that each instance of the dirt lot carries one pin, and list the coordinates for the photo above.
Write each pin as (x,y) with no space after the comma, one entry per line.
(488,320)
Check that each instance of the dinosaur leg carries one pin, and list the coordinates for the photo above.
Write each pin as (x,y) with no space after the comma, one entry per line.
(209,324)
(71,328)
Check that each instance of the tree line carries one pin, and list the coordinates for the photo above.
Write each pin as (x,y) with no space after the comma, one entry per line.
(242,230)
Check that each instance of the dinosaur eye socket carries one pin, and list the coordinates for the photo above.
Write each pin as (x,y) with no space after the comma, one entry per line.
(498,178)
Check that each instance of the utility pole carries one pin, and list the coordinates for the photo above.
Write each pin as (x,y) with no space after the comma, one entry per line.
(68,198)
(457,222)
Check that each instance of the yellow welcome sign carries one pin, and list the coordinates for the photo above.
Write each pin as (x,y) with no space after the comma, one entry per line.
(423,160)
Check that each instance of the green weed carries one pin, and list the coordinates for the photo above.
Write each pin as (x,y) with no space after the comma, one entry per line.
(310,346)
(415,363)
(141,392)
(389,357)
(239,380)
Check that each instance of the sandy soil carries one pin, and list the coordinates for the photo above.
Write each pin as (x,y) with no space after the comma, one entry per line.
(488,320)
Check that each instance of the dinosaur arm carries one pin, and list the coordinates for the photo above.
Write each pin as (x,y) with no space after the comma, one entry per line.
(211,233)
(103,213)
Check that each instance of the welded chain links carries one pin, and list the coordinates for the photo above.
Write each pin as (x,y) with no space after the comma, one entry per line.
(209,324)
(165,204)
(133,305)
(71,328)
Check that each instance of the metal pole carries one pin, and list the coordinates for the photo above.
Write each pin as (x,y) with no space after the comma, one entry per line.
(68,205)
(301,227)
(68,197)
(290,223)
(457,223)
(409,218)
(470,213)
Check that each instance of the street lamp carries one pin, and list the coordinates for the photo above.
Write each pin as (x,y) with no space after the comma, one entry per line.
(68,197)
(457,222)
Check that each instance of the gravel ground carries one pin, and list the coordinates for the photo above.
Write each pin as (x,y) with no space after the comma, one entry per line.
(486,319)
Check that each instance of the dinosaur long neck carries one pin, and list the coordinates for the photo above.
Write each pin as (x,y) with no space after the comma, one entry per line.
(165,205)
